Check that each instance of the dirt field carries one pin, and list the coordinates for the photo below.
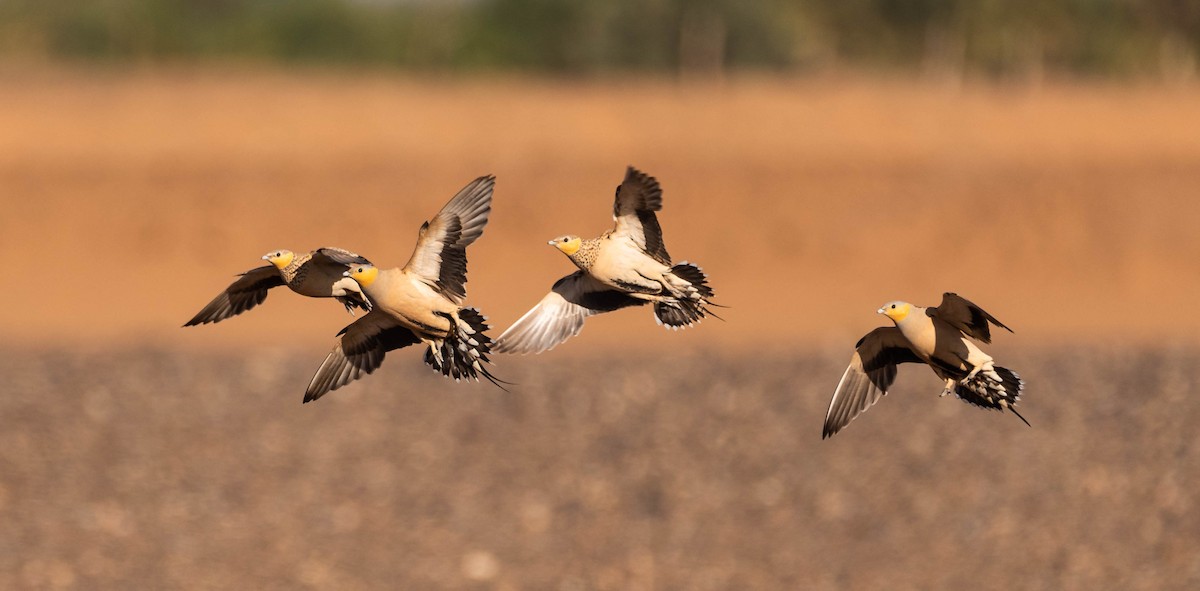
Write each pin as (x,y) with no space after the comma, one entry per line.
(159,470)
(136,454)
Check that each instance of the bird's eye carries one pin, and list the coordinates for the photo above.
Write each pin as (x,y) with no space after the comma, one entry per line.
(893,306)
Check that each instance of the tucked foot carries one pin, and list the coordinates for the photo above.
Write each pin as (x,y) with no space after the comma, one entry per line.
(434,350)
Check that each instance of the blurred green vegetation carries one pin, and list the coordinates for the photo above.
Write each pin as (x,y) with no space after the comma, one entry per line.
(993,37)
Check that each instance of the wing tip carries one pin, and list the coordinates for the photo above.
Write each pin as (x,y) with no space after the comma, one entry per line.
(632,173)
(483,183)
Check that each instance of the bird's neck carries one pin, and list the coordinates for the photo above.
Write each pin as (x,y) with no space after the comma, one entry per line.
(291,272)
(586,255)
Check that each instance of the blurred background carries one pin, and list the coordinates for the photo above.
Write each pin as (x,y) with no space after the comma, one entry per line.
(818,158)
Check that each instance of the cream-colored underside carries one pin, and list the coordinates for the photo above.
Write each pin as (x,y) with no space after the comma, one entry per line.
(920,330)
(620,259)
(411,301)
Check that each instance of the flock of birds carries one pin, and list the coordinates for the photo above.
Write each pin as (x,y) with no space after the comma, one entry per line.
(423,303)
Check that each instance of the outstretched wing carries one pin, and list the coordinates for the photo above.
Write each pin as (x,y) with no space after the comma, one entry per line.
(965,316)
(360,350)
(440,257)
(247,292)
(560,315)
(638,197)
(871,372)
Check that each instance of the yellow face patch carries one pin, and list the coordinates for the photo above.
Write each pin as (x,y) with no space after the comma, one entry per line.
(364,274)
(280,258)
(897,311)
(568,246)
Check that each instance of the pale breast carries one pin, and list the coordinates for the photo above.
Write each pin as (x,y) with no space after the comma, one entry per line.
(919,330)
(623,264)
(412,302)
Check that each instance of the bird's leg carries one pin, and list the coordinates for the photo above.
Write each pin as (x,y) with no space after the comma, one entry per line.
(462,325)
(434,350)
(949,388)
(464,331)
(988,369)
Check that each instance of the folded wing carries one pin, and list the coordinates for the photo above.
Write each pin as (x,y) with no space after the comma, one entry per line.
(336,257)
(332,262)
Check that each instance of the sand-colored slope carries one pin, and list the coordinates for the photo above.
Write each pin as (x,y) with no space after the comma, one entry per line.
(128,200)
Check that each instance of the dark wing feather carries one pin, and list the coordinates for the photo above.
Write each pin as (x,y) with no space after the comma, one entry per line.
(441,253)
(360,350)
(871,372)
(638,197)
(560,315)
(337,256)
(965,316)
(247,292)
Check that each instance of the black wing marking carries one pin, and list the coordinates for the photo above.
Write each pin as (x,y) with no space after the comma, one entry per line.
(440,256)
(359,351)
(638,197)
(247,292)
(338,256)
(560,314)
(965,316)
(871,372)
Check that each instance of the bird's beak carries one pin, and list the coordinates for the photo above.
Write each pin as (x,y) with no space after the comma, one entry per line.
(347,274)
(551,243)
(880,311)
(265,257)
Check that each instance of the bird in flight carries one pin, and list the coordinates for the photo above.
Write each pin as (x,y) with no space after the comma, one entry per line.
(419,303)
(626,266)
(318,274)
(942,338)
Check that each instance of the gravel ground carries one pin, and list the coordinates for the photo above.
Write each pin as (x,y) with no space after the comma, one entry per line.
(156,469)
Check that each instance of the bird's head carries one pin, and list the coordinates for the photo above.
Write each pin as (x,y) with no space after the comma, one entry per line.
(279,258)
(568,244)
(365,275)
(897,310)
